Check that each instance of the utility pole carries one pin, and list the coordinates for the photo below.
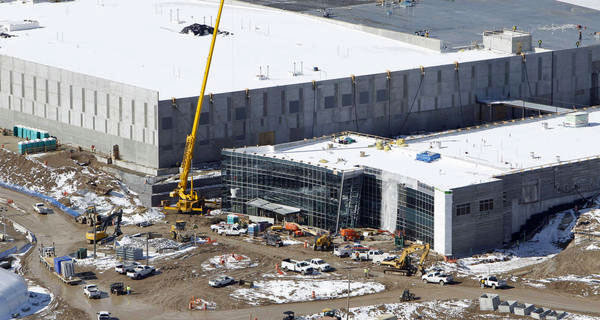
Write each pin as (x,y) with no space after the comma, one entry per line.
(147,251)
(348,297)
(94,239)
(3,210)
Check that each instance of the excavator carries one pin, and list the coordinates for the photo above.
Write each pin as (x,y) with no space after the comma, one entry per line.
(89,216)
(323,243)
(190,202)
(403,265)
(101,234)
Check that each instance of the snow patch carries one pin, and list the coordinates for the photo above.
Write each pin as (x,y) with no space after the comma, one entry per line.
(285,291)
(228,261)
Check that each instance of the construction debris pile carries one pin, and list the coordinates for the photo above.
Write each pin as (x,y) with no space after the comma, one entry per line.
(228,261)
(198,29)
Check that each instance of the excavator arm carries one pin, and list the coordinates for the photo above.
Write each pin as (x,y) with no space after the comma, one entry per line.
(188,202)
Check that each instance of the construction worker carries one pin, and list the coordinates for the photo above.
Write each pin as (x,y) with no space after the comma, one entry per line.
(128,289)
(366,272)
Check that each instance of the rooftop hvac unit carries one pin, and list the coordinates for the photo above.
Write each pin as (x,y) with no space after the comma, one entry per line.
(428,156)
(576,119)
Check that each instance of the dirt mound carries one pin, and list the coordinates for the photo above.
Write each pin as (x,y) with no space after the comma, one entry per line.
(575,260)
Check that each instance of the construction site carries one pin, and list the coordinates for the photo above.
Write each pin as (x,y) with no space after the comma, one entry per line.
(267,159)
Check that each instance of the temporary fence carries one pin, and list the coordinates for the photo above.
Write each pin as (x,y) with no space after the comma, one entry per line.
(38,195)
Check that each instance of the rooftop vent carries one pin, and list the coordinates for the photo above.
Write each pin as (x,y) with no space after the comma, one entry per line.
(576,119)
(428,156)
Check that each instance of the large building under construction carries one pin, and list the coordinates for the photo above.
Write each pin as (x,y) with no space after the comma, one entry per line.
(131,84)
(462,190)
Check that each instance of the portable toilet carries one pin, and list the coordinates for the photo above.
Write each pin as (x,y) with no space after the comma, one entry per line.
(20,147)
(15,130)
(232,219)
(45,134)
(253,229)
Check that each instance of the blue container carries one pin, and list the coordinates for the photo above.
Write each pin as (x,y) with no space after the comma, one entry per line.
(57,261)
(428,156)
(253,229)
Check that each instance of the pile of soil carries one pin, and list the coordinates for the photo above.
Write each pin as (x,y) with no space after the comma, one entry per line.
(575,259)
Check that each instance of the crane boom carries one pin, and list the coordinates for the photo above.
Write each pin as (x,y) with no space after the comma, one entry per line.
(187,202)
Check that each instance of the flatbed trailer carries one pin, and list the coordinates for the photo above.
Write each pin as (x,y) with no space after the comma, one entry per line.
(48,262)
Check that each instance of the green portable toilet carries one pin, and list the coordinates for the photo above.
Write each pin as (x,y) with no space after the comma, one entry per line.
(15,130)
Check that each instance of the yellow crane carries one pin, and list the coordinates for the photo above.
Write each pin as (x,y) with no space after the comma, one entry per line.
(403,265)
(190,202)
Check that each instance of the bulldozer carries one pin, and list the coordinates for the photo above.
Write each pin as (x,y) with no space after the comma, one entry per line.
(178,232)
(323,243)
(89,217)
(100,231)
(403,264)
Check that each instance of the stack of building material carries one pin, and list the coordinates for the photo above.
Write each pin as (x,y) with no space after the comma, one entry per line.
(129,253)
(507,306)
(523,309)
(67,268)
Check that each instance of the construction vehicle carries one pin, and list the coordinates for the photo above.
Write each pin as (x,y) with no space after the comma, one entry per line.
(329,314)
(403,264)
(100,231)
(178,232)
(47,258)
(89,217)
(407,296)
(293,229)
(323,243)
(190,202)
(351,235)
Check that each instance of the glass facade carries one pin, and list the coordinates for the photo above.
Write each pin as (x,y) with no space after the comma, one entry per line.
(415,212)
(317,191)
(320,193)
(370,199)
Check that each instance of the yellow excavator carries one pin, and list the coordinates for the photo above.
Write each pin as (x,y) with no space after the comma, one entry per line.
(100,231)
(403,264)
(189,202)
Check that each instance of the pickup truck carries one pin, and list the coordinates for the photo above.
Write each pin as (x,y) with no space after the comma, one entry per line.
(233,230)
(437,277)
(320,264)
(41,208)
(216,227)
(297,266)
(378,259)
(140,272)
(273,240)
(91,291)
(492,282)
(124,268)
(367,254)
(220,281)
(342,252)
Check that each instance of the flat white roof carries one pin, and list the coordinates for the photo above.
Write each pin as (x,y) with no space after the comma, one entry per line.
(467,156)
(138,42)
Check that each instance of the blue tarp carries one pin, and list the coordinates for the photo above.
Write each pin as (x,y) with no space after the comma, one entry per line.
(8,252)
(38,195)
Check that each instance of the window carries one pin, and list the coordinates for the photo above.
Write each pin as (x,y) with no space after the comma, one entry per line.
(329,102)
(346,99)
(486,205)
(463,209)
(294,106)
(363,97)
(381,95)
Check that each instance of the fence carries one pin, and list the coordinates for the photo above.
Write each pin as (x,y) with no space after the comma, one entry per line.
(43,197)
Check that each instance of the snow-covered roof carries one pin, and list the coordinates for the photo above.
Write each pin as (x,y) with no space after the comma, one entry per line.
(468,156)
(138,42)
(13,293)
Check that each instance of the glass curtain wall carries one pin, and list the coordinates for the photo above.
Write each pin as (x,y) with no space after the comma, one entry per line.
(315,190)
(415,212)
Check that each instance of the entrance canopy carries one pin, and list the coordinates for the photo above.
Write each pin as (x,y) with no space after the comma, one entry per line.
(273,207)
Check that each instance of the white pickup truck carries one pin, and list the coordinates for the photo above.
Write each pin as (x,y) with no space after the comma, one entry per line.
(297,266)
(367,254)
(437,277)
(320,264)
(232,230)
(92,292)
(41,208)
(342,252)
(140,272)
(492,282)
(124,268)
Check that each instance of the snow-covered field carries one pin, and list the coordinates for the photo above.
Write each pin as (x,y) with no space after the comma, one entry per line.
(229,262)
(541,247)
(284,291)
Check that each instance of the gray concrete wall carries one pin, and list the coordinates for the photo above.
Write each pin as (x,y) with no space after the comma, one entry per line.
(403,103)
(477,230)
(80,109)
(535,191)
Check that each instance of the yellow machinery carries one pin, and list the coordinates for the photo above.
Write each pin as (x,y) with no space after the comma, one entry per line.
(89,216)
(100,233)
(403,264)
(178,232)
(190,202)
(323,243)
